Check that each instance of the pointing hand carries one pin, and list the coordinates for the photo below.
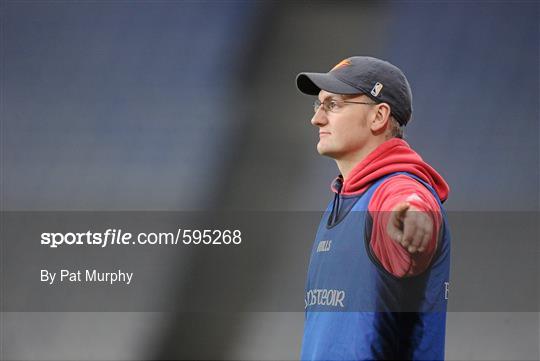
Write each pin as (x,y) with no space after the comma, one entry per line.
(410,227)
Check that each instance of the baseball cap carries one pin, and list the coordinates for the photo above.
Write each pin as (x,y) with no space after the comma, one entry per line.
(376,78)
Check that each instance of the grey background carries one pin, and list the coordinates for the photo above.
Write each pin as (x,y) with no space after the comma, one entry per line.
(174,105)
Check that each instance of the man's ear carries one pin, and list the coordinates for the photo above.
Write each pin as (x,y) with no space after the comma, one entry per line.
(381,118)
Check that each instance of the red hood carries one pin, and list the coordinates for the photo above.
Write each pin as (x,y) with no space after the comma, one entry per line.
(394,155)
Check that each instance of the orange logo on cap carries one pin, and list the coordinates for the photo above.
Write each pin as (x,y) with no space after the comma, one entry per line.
(341,64)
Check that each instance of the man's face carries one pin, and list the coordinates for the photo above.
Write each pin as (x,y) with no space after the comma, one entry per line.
(343,131)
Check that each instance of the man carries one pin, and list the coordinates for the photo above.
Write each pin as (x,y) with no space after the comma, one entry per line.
(378,277)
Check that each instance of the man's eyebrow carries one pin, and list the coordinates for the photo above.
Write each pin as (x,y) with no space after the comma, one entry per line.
(331,96)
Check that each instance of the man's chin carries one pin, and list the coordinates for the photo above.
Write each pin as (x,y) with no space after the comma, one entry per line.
(321,150)
(326,152)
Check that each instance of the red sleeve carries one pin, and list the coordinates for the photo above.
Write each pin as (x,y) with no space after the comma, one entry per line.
(393,257)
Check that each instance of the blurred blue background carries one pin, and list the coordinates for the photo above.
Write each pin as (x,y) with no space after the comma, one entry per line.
(172,105)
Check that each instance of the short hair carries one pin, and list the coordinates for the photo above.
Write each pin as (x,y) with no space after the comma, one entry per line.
(396,129)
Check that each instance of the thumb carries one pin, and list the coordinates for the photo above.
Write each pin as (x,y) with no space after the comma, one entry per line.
(395,225)
(399,211)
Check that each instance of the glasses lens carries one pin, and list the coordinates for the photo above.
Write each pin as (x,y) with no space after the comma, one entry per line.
(316,105)
(332,105)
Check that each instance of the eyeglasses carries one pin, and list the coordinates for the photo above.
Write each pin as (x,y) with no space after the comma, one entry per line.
(333,105)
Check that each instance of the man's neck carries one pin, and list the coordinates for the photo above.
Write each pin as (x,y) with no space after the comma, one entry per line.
(346,164)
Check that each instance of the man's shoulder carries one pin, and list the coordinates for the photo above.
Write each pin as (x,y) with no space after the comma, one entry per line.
(399,186)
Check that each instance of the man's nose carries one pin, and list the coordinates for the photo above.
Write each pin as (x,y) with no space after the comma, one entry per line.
(319,118)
